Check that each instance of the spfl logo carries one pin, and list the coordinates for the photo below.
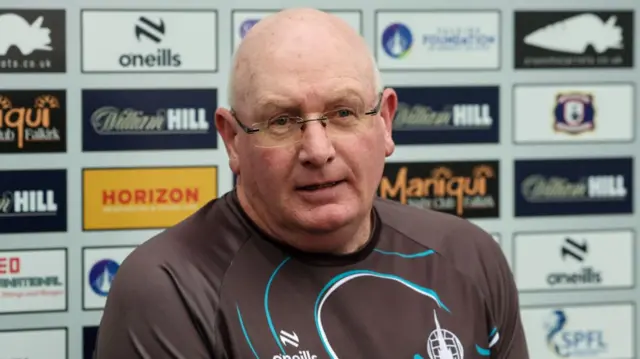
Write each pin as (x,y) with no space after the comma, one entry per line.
(32,201)
(574,113)
(101,276)
(32,121)
(148,119)
(565,342)
(397,40)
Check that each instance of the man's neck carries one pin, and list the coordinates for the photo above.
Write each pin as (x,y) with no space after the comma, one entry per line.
(345,240)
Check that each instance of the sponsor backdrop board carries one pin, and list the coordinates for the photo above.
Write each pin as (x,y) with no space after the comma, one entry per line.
(603,330)
(521,118)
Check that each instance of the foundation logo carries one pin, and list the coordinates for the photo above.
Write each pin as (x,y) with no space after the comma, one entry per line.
(33,121)
(144,198)
(118,120)
(441,115)
(573,187)
(33,281)
(465,189)
(32,41)
(33,201)
(100,265)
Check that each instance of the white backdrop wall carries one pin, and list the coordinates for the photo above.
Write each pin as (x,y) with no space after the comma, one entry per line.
(72,229)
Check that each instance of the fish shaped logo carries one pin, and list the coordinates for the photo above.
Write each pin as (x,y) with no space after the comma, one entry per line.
(575,34)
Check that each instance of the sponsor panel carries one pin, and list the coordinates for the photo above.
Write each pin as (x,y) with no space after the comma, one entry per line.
(33,121)
(41,343)
(468,189)
(33,281)
(598,331)
(243,21)
(89,341)
(33,201)
(573,39)
(146,197)
(573,260)
(555,187)
(571,113)
(438,40)
(159,119)
(444,115)
(100,265)
(149,41)
(33,40)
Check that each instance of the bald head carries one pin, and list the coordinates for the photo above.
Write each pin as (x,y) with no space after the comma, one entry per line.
(307,44)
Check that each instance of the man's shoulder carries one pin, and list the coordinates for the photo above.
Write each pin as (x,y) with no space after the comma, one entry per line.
(442,232)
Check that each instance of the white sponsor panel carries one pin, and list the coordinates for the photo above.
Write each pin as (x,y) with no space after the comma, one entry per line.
(243,21)
(496,237)
(573,113)
(100,267)
(438,40)
(599,331)
(33,344)
(149,41)
(33,281)
(574,260)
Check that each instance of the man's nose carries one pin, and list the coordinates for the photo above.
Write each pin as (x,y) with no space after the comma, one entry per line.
(316,148)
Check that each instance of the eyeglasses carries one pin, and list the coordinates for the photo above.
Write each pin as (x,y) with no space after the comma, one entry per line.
(286,130)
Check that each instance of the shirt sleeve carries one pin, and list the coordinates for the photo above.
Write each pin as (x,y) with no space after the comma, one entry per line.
(507,337)
(148,316)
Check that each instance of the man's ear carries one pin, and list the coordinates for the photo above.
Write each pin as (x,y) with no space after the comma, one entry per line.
(387,112)
(225,124)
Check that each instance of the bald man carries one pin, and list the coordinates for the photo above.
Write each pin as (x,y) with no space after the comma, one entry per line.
(301,260)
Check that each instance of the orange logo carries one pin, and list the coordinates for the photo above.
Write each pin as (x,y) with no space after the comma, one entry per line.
(29,124)
(145,198)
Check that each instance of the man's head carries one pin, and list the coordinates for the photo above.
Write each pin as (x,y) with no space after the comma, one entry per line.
(306,63)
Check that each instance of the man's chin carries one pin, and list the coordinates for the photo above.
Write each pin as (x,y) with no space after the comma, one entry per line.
(326,218)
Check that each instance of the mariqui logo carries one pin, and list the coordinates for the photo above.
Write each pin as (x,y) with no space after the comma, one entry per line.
(22,125)
(572,250)
(152,32)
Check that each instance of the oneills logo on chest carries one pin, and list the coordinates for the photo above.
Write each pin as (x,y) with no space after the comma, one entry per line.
(442,190)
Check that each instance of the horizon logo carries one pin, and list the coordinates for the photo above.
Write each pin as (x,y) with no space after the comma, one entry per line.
(15,203)
(155,32)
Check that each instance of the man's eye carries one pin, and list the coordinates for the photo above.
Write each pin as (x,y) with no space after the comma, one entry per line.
(344,113)
(280,121)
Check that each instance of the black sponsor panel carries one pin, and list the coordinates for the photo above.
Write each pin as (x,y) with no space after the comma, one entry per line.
(33,201)
(447,115)
(89,340)
(159,119)
(573,187)
(468,189)
(573,39)
(33,121)
(32,40)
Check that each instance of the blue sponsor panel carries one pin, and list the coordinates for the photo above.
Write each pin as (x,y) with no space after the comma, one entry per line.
(89,340)
(33,201)
(159,119)
(447,115)
(573,187)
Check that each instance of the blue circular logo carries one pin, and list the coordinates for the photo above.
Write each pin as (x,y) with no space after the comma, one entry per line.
(101,276)
(397,40)
(246,26)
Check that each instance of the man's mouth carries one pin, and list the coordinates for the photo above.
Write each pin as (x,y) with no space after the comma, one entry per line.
(316,187)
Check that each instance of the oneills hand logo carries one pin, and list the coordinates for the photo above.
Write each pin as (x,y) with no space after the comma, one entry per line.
(156,199)
(22,124)
(443,190)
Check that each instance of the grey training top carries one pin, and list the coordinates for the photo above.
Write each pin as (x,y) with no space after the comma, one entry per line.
(428,285)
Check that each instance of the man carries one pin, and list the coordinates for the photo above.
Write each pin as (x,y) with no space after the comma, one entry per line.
(301,260)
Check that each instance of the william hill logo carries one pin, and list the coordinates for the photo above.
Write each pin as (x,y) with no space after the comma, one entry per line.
(540,188)
(113,120)
(28,203)
(466,189)
(144,198)
(467,116)
(32,121)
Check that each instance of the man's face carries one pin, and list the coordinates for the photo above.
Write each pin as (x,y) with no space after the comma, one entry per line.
(277,179)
